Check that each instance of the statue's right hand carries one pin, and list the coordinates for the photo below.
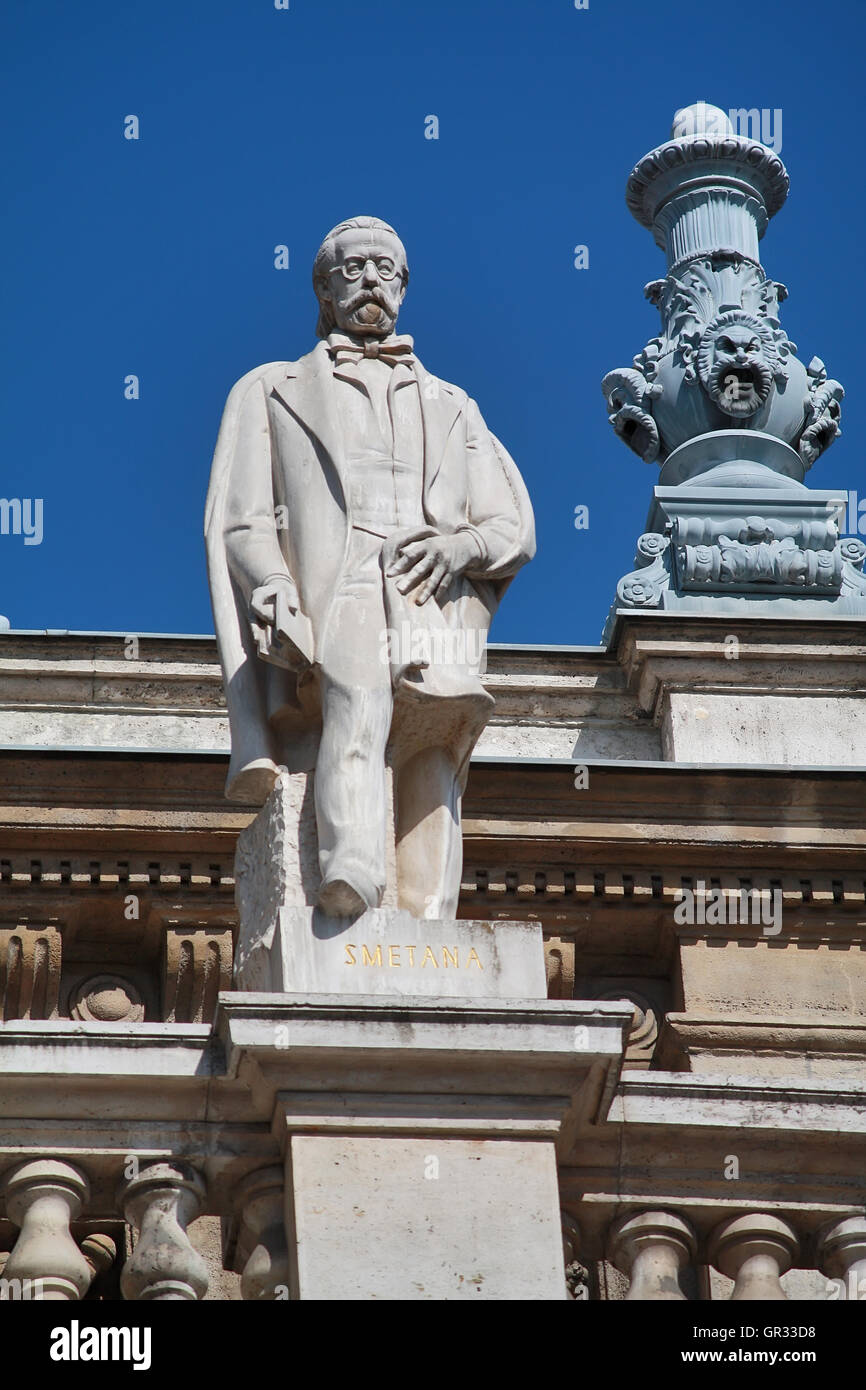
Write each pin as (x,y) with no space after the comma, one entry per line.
(264,599)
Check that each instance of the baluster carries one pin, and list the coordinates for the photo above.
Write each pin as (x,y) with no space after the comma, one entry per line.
(161,1201)
(99,1251)
(755,1251)
(842,1255)
(576,1273)
(42,1197)
(266,1271)
(652,1248)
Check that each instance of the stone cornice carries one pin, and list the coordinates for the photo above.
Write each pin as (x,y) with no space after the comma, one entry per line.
(95,806)
(226,1098)
(741,1101)
(78,691)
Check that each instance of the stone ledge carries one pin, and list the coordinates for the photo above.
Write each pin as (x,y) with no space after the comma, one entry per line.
(740,1101)
(536,1117)
(345,1045)
(124,1050)
(790,1043)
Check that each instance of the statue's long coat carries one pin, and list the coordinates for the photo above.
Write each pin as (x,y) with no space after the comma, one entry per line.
(280,446)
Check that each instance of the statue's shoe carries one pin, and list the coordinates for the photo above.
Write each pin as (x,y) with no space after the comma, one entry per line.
(339,898)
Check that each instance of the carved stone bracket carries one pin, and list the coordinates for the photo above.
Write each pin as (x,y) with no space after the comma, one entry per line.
(644,586)
(709,542)
(743,552)
(197,965)
(644,1031)
(559,961)
(853,553)
(30,959)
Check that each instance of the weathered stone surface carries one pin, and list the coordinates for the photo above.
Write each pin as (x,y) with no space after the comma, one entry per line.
(652,1248)
(773,1046)
(170,697)
(764,728)
(775,1000)
(774,977)
(41,1198)
(725,689)
(387,951)
(263,1252)
(422,1219)
(205,1236)
(277,859)
(106,999)
(505,1069)
(197,965)
(161,1200)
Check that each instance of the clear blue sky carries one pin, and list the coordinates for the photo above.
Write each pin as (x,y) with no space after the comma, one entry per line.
(261,126)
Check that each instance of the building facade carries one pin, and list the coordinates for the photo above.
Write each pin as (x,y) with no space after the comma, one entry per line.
(726,1116)
(671,1104)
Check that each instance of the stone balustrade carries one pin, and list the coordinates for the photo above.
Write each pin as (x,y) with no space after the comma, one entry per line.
(659,1251)
(43,1197)
(753,1249)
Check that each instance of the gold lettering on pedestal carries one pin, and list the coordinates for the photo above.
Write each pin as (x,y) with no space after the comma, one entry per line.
(450,956)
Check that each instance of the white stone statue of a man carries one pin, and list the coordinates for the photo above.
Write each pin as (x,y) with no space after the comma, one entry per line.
(362,524)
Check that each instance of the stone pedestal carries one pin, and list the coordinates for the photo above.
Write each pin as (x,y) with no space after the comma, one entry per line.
(421,1136)
(277,857)
(287,944)
(748,544)
(417,1077)
(387,951)
(426,1218)
(753,690)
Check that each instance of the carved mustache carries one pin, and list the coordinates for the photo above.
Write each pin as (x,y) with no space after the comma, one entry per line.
(368,297)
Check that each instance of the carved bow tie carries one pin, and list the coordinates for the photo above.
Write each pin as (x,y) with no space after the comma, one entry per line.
(394,351)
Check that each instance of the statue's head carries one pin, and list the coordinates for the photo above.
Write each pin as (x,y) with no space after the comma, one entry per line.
(360,277)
